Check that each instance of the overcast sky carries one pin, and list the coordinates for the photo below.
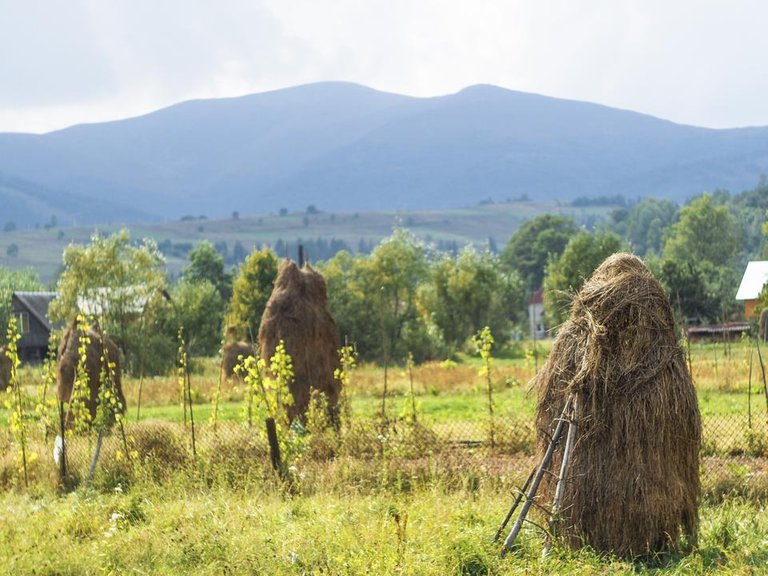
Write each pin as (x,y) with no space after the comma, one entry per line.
(697,62)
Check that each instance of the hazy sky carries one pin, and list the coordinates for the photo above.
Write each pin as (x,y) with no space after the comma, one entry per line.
(64,62)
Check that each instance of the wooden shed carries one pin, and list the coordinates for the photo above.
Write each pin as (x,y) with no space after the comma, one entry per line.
(31,311)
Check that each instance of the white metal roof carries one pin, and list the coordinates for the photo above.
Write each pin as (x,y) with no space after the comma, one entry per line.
(755,277)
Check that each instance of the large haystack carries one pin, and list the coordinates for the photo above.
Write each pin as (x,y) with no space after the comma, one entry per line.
(297,313)
(66,365)
(231,353)
(632,486)
(5,369)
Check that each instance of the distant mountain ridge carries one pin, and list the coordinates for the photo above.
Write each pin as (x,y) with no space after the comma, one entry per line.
(342,146)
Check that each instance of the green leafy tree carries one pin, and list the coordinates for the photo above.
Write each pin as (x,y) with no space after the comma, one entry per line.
(689,289)
(566,274)
(13,281)
(118,281)
(700,264)
(644,225)
(534,244)
(375,299)
(705,232)
(207,265)
(472,291)
(198,307)
(251,291)
(397,266)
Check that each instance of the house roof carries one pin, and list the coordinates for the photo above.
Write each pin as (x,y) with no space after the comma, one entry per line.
(537,297)
(755,277)
(97,302)
(37,304)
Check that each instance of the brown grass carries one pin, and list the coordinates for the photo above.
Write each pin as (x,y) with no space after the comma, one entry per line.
(632,487)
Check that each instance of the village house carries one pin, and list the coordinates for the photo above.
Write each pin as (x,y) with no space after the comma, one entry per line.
(536,316)
(31,312)
(752,283)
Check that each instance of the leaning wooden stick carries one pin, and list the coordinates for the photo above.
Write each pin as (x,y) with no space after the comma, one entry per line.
(515,504)
(509,542)
(573,425)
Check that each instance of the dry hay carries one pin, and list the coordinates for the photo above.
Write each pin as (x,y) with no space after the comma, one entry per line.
(66,365)
(297,313)
(5,369)
(230,356)
(632,486)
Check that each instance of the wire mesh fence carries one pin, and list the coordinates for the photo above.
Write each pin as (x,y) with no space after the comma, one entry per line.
(444,425)
(734,450)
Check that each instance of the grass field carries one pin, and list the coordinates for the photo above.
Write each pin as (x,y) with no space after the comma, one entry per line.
(409,509)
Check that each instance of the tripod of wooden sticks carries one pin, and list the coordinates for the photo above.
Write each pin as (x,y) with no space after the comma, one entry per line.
(567,417)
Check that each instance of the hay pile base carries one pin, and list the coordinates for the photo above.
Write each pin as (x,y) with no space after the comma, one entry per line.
(632,485)
(5,369)
(231,353)
(66,365)
(297,313)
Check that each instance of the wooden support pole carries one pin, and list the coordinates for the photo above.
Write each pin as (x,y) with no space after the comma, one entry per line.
(515,504)
(569,440)
(510,541)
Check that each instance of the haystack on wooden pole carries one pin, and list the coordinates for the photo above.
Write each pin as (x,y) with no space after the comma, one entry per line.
(632,485)
(297,313)
(66,366)
(5,369)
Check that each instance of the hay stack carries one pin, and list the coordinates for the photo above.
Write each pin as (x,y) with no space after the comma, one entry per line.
(66,365)
(230,356)
(297,313)
(5,369)
(632,486)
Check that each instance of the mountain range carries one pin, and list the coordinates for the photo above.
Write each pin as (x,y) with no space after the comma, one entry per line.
(345,147)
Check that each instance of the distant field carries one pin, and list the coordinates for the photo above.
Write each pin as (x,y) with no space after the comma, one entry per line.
(41,249)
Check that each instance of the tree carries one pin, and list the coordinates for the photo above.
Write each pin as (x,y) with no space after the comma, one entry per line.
(119,281)
(700,258)
(391,278)
(705,232)
(534,244)
(374,299)
(566,274)
(644,225)
(197,306)
(251,291)
(13,281)
(689,289)
(470,292)
(206,264)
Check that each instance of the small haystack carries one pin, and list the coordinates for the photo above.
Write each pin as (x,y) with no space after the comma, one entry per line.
(297,313)
(230,356)
(66,365)
(5,369)
(632,485)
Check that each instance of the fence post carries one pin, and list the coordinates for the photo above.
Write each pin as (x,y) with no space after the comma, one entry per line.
(63,454)
(274,446)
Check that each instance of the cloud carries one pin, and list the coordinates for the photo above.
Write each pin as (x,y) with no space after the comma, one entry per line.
(690,61)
